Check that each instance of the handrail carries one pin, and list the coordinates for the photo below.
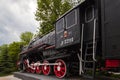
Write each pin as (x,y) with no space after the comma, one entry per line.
(82,41)
(81,52)
(94,36)
(80,64)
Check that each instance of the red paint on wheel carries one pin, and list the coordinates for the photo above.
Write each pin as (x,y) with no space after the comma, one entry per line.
(60,70)
(38,69)
(46,68)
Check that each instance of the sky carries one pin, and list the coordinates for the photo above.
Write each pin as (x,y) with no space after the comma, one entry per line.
(16,17)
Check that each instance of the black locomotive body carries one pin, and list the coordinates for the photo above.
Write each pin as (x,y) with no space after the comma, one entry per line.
(86,36)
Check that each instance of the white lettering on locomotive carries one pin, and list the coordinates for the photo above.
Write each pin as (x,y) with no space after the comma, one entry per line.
(67,41)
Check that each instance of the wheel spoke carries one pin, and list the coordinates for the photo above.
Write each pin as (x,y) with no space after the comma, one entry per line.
(59,74)
(63,69)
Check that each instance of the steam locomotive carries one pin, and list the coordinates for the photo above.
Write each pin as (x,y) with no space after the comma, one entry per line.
(85,38)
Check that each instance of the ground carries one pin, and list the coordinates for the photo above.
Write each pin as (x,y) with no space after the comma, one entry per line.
(30,76)
(10,77)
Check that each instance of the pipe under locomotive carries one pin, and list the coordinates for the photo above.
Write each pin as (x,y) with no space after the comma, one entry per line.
(85,38)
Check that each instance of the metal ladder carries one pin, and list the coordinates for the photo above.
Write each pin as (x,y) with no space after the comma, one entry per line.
(89,57)
(89,62)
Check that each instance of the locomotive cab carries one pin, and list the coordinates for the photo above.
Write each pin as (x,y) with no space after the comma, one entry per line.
(77,26)
(67,29)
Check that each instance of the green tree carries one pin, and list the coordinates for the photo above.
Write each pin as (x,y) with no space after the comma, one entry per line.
(26,37)
(48,11)
(9,53)
(9,56)
(13,51)
(5,63)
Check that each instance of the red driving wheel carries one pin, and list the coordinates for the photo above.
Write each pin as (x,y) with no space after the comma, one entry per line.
(60,69)
(38,69)
(46,68)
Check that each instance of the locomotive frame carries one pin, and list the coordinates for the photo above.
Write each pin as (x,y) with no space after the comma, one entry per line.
(85,37)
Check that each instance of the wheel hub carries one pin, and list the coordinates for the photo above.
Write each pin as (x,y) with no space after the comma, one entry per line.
(58,68)
(45,67)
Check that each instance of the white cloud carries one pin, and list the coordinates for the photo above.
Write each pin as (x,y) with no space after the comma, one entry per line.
(16,16)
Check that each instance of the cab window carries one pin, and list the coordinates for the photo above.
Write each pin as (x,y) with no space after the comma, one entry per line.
(60,25)
(71,19)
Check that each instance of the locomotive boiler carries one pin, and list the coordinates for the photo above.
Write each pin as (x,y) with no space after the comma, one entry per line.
(85,38)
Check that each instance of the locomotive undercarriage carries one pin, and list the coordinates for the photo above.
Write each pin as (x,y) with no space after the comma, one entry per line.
(65,62)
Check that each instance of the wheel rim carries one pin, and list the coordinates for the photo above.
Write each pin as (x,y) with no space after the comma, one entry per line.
(46,68)
(60,70)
